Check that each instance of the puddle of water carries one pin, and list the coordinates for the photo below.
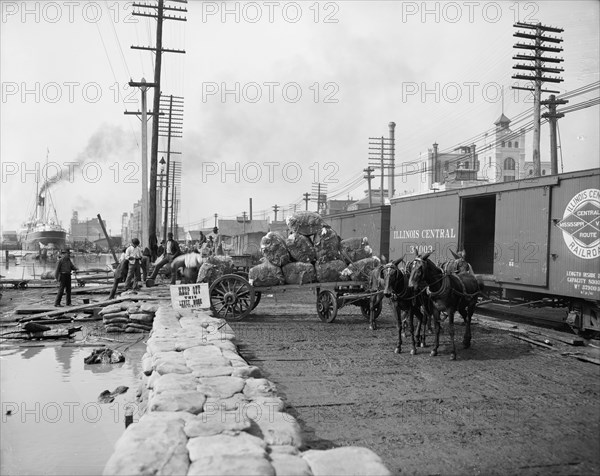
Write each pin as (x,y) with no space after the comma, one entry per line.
(56,425)
(33,269)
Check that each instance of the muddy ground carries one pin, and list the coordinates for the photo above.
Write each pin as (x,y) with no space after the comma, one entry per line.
(504,407)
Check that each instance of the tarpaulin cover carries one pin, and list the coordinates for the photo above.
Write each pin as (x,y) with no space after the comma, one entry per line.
(361,270)
(330,271)
(266,274)
(327,245)
(272,246)
(301,248)
(305,222)
(299,273)
(355,249)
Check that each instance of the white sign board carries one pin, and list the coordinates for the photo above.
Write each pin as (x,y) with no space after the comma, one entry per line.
(190,296)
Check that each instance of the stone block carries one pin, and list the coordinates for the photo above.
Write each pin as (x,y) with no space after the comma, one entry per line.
(231,465)
(226,445)
(259,387)
(276,428)
(215,423)
(175,383)
(290,465)
(220,387)
(177,401)
(348,460)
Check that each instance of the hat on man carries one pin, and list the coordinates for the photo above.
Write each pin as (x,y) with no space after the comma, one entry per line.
(215,230)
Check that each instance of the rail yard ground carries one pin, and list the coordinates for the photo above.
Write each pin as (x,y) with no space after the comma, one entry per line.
(504,407)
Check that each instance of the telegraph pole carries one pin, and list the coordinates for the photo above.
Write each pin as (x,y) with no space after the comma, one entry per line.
(160,16)
(306,200)
(170,127)
(275,209)
(381,156)
(319,190)
(369,177)
(143,85)
(392,142)
(553,117)
(537,69)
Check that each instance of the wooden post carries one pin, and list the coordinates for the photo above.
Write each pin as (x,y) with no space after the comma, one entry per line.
(108,242)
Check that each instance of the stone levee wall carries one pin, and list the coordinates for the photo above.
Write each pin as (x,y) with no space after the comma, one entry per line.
(207,412)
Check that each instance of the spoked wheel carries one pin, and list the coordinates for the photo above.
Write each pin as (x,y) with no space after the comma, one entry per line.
(231,297)
(327,306)
(365,309)
(257,295)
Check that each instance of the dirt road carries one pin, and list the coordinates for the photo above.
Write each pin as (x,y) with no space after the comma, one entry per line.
(504,407)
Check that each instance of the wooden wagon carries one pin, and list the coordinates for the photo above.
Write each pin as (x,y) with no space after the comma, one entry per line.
(233,296)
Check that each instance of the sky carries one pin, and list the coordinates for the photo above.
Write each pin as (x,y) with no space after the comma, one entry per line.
(278,96)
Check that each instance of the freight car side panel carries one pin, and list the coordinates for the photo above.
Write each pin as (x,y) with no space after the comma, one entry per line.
(373,223)
(425,224)
(521,236)
(575,237)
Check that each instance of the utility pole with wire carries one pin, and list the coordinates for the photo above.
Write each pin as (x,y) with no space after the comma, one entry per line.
(553,118)
(170,127)
(369,177)
(143,85)
(319,195)
(306,200)
(381,153)
(157,11)
(275,209)
(537,69)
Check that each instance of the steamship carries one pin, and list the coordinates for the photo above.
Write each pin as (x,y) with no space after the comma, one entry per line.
(42,232)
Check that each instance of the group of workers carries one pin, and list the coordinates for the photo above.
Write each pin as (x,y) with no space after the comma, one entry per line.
(134,263)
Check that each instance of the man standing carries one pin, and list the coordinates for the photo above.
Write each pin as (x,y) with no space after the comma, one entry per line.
(63,276)
(218,244)
(134,255)
(120,274)
(172,250)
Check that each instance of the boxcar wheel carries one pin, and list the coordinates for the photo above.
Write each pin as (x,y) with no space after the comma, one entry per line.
(327,306)
(231,297)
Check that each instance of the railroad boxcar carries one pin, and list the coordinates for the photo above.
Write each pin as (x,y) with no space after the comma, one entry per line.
(373,223)
(533,240)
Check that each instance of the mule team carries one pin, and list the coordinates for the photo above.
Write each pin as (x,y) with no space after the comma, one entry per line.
(419,288)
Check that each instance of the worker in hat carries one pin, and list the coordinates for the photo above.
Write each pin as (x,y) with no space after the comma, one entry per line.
(217,244)
(63,276)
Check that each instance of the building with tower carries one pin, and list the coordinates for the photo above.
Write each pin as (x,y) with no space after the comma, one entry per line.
(504,155)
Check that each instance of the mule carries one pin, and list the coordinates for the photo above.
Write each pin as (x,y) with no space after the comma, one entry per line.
(448,292)
(405,301)
(457,265)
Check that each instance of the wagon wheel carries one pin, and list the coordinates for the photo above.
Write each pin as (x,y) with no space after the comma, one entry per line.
(232,297)
(257,295)
(365,309)
(327,306)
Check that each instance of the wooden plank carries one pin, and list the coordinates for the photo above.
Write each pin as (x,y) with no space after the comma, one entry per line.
(571,340)
(330,285)
(24,309)
(587,359)
(62,311)
(535,342)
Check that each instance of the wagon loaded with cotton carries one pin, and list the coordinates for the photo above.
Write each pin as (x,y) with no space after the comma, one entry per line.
(312,257)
